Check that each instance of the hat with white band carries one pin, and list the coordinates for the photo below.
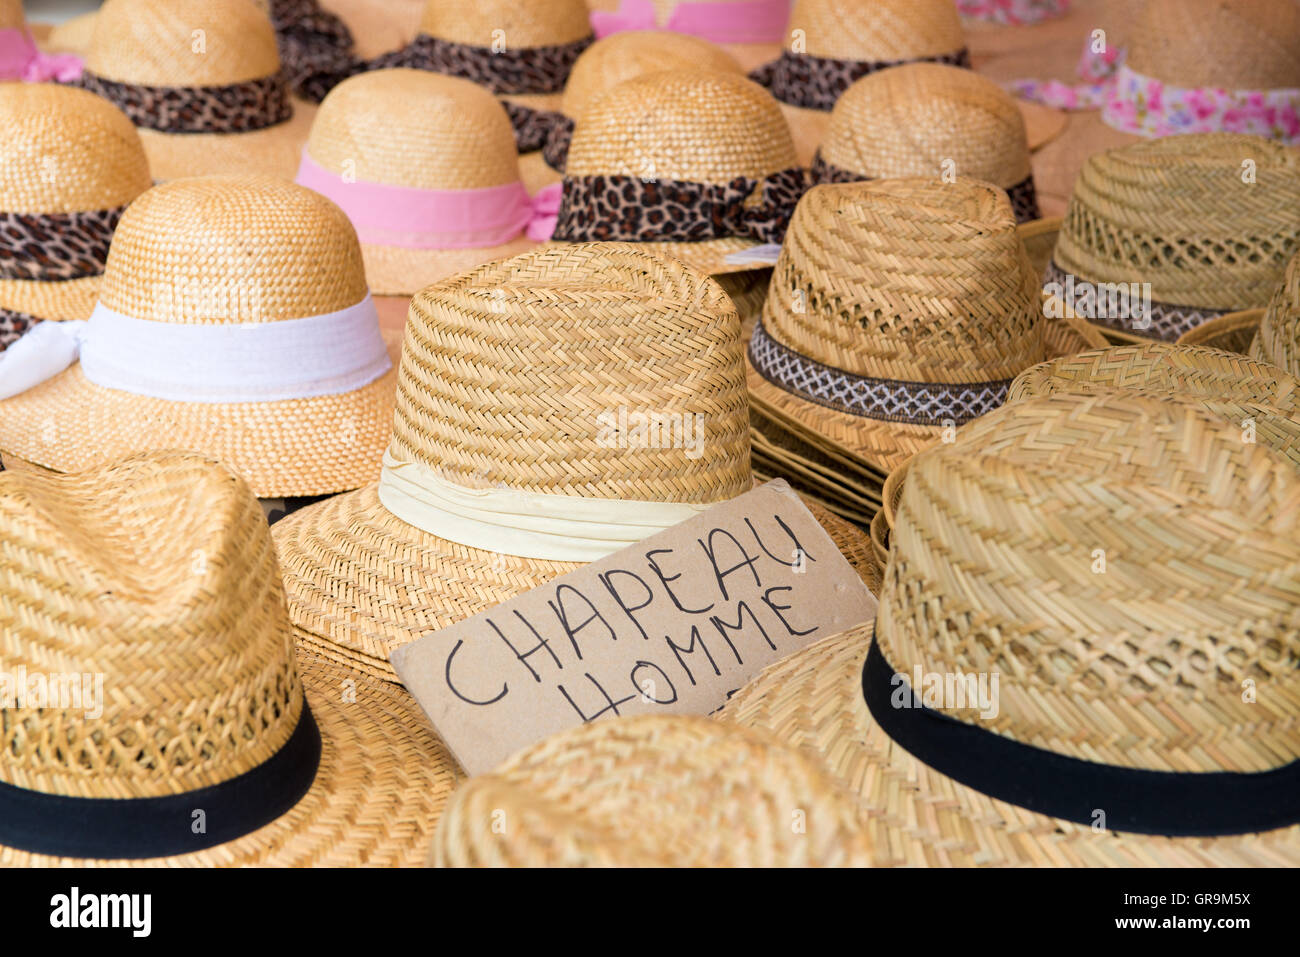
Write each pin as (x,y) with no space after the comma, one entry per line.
(551,409)
(233,319)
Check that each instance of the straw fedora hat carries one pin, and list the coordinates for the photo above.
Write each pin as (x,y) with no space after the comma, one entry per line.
(654,791)
(831,43)
(1143,716)
(425,166)
(751,31)
(201,79)
(69,164)
(927,119)
(205,743)
(1209,220)
(899,308)
(233,319)
(693,164)
(512,380)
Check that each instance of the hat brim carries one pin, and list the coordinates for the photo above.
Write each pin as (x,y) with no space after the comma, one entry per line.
(274,151)
(709,256)
(1233,332)
(296,447)
(361,582)
(72,299)
(383,780)
(536,173)
(920,817)
(398,271)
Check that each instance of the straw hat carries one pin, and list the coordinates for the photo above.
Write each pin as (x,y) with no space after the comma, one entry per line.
(378,26)
(1170,550)
(202,81)
(22,49)
(69,164)
(1012,12)
(394,142)
(297,762)
(898,308)
(1233,332)
(507,374)
(218,263)
(750,31)
(695,164)
(831,43)
(1278,339)
(1209,220)
(926,119)
(654,791)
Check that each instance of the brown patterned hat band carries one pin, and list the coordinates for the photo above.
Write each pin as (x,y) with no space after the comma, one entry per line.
(237,108)
(56,247)
(505,72)
(815,83)
(13,325)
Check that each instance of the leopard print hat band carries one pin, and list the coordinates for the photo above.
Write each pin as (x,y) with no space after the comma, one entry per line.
(510,71)
(237,108)
(56,247)
(815,83)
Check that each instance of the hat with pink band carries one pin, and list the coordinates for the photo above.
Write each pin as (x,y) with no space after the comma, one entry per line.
(1013,12)
(20,59)
(724,22)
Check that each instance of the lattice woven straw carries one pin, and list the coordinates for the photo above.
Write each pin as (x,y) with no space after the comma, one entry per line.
(63,150)
(1232,332)
(1278,339)
(193,43)
(504,374)
(417,129)
(654,791)
(200,682)
(220,250)
(1140,667)
(909,280)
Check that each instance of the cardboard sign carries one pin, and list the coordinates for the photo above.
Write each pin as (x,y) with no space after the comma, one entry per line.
(674,624)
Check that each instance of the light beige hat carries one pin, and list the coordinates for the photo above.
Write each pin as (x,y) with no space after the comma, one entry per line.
(750,31)
(1278,339)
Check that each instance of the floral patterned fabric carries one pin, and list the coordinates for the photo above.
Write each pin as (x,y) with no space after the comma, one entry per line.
(1013,11)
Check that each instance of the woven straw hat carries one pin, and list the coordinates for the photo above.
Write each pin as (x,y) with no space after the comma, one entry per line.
(705,129)
(165,63)
(215,251)
(1176,656)
(421,131)
(379,25)
(1232,332)
(654,791)
(506,371)
(1278,339)
(896,305)
(733,17)
(69,162)
(200,688)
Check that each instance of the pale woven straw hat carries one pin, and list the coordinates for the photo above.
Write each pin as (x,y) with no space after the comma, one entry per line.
(654,791)
(391,142)
(509,376)
(1143,716)
(750,31)
(1278,339)
(203,706)
(212,262)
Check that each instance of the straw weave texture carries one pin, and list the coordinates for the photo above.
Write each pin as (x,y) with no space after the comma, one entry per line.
(11,15)
(1278,340)
(535,23)
(1233,332)
(879,31)
(1253,45)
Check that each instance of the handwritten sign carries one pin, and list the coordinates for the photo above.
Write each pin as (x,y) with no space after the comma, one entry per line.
(674,624)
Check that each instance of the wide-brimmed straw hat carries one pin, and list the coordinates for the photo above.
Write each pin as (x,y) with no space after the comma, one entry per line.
(1209,220)
(188,733)
(1142,716)
(694,164)
(751,31)
(519,386)
(425,167)
(69,164)
(927,119)
(832,43)
(654,791)
(899,308)
(233,319)
(201,79)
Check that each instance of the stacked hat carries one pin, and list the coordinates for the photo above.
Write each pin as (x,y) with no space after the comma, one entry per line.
(752,31)
(233,319)
(21,58)
(1209,221)
(425,167)
(189,733)
(1085,649)
(512,459)
(201,79)
(69,164)
(832,43)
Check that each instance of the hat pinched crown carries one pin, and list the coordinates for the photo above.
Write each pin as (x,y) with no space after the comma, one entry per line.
(1278,339)
(1209,43)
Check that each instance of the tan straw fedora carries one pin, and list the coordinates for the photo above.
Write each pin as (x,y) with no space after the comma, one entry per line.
(425,166)
(69,164)
(515,455)
(233,319)
(750,31)
(189,736)
(201,79)
(1165,234)
(654,791)
(1085,649)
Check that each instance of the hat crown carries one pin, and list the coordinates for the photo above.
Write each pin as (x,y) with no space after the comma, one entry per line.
(66,150)
(1209,43)
(232,249)
(1278,339)
(1115,559)
(188,636)
(481,23)
(417,129)
(689,125)
(182,43)
(875,32)
(533,373)
(910,120)
(910,279)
